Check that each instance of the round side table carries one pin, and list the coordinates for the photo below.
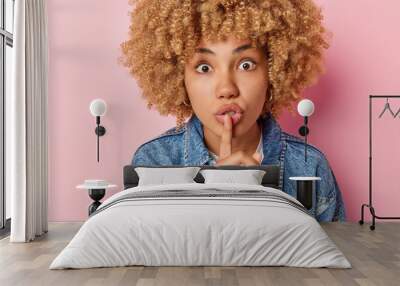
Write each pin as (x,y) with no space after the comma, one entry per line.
(305,187)
(96,193)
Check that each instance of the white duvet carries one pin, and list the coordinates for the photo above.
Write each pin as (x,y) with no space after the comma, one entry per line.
(207,230)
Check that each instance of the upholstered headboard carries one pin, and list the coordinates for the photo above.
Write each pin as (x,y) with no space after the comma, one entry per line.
(270,179)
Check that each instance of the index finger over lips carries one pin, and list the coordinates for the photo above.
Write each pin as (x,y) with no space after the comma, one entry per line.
(225,148)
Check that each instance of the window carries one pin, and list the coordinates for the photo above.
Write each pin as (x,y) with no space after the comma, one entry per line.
(6,60)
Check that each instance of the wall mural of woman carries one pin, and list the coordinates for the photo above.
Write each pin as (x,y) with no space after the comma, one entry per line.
(230,67)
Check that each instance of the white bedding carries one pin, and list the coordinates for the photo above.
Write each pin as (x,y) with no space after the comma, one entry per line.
(207,230)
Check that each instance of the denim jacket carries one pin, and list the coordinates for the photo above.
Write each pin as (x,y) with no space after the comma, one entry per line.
(185,146)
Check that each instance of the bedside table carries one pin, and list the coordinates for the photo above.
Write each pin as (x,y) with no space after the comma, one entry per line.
(305,188)
(96,193)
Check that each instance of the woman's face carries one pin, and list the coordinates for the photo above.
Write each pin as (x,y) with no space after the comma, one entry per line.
(224,73)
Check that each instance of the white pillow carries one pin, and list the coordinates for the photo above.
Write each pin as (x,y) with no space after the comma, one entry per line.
(249,177)
(162,176)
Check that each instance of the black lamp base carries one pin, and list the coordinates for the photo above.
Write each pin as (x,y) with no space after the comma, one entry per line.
(100,130)
(303,130)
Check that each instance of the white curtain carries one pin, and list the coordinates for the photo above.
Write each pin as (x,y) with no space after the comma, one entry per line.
(26,119)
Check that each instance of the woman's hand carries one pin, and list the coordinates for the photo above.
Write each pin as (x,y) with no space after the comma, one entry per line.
(225,149)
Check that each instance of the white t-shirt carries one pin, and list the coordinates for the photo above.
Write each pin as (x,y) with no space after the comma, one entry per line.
(259,150)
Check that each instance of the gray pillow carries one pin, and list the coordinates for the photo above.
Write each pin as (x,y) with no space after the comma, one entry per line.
(248,177)
(162,176)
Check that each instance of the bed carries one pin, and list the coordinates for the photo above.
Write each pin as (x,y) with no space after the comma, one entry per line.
(201,224)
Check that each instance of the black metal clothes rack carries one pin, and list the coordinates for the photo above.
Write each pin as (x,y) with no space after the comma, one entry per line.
(370,205)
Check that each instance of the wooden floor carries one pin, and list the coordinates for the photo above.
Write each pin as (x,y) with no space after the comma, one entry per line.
(374,255)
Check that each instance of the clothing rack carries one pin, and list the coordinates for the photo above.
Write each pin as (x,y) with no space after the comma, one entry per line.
(370,205)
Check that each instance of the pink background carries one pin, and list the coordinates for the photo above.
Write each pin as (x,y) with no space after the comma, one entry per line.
(84,39)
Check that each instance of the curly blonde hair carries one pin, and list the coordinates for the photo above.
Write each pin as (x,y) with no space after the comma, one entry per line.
(164,34)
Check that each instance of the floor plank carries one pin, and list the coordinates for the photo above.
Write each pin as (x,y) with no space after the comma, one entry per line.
(374,255)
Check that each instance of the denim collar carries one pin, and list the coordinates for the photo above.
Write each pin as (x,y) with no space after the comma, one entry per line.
(196,153)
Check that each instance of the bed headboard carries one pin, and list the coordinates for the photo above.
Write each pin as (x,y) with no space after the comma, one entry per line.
(270,179)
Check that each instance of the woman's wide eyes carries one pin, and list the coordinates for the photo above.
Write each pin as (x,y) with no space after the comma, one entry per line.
(246,65)
(203,68)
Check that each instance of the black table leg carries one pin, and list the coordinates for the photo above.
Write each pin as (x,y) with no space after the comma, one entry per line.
(96,195)
(305,193)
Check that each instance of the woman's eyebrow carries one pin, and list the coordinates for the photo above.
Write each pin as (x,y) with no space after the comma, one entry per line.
(235,51)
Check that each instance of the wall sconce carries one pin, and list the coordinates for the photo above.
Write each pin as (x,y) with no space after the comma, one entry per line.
(305,109)
(98,108)
(305,186)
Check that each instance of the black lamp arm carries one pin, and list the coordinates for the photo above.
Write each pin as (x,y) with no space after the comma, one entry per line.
(305,138)
(303,131)
(100,131)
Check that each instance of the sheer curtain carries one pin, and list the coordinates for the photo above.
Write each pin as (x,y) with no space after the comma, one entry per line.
(26,119)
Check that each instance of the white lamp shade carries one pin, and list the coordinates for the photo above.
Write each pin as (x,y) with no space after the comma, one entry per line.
(98,107)
(305,107)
